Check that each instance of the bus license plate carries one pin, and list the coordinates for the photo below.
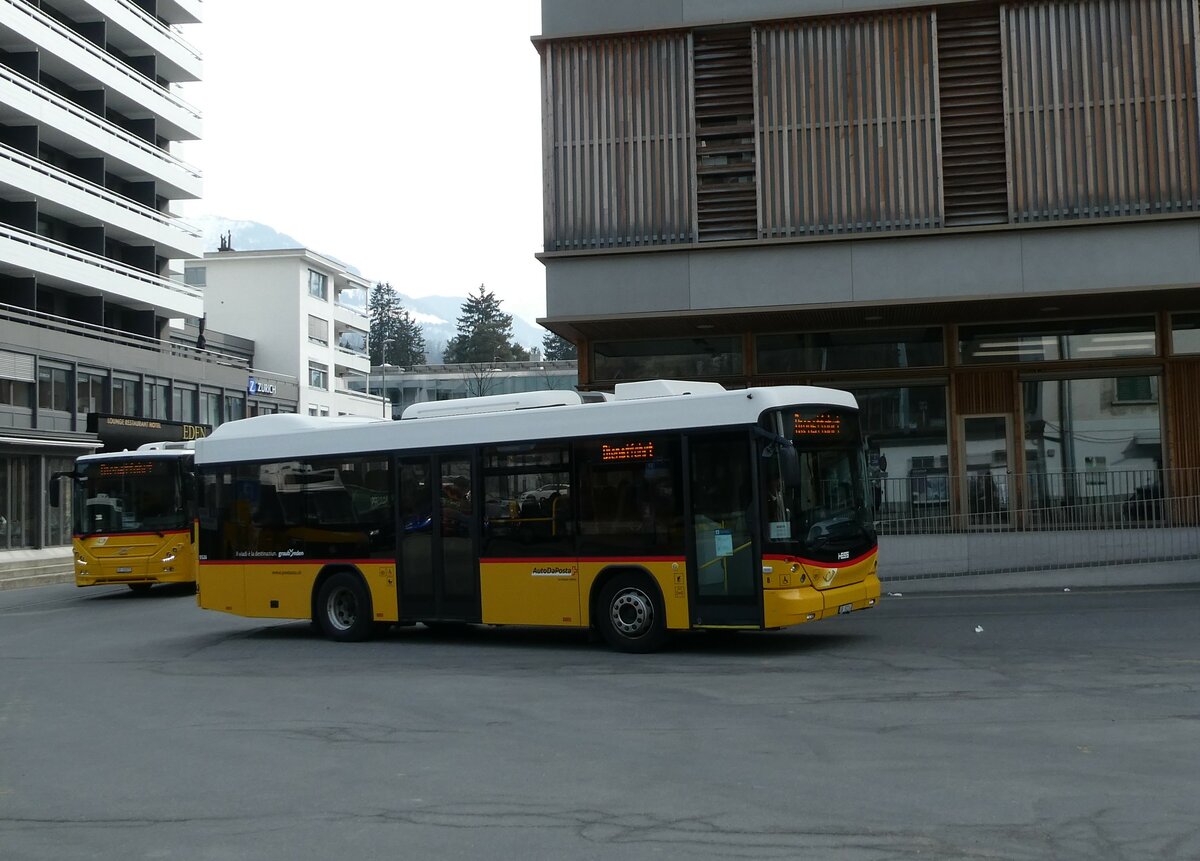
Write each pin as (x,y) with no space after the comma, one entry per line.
(130,571)
(844,609)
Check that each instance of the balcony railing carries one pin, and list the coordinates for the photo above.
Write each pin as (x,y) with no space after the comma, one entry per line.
(940,525)
(130,74)
(50,172)
(38,91)
(68,252)
(170,32)
(92,331)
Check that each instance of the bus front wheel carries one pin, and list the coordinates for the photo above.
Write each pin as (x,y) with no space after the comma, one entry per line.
(631,617)
(344,608)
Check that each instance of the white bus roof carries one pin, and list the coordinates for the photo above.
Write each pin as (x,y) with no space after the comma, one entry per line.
(658,405)
(142,453)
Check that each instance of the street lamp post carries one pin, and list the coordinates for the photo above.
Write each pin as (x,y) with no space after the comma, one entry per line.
(384,366)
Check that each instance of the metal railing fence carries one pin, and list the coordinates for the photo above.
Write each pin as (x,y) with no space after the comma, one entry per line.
(935,524)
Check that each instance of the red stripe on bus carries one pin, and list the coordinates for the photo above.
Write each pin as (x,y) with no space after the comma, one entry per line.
(842,563)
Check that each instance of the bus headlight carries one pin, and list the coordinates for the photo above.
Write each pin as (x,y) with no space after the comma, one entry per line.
(80,561)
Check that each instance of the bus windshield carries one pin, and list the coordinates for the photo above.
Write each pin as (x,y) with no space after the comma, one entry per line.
(819,507)
(144,495)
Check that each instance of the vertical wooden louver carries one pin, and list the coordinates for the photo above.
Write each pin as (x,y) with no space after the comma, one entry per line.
(723,81)
(848,125)
(616,152)
(971,90)
(1102,108)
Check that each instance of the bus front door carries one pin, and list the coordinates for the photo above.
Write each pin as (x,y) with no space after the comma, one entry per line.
(724,562)
(436,558)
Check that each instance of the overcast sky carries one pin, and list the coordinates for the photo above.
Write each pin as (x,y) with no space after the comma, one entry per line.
(381,133)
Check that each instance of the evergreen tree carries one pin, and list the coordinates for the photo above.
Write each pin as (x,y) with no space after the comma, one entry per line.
(396,337)
(556,348)
(409,347)
(484,333)
(383,307)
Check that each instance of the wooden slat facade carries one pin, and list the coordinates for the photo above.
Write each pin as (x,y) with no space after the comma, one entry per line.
(1102,108)
(848,137)
(984,393)
(971,98)
(723,81)
(961,115)
(617,142)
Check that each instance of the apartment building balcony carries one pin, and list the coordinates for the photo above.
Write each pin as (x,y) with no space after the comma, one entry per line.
(132,30)
(69,198)
(69,128)
(78,62)
(78,272)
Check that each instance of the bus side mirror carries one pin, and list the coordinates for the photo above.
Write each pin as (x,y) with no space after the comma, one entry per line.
(789,465)
(55,494)
(187,485)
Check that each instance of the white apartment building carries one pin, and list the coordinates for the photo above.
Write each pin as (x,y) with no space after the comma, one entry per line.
(90,119)
(307,315)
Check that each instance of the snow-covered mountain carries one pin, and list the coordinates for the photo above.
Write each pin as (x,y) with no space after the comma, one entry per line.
(436,314)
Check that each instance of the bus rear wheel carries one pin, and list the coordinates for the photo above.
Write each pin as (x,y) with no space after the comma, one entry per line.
(631,617)
(344,608)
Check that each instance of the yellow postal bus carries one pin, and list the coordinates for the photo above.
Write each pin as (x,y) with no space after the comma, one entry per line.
(134,516)
(666,506)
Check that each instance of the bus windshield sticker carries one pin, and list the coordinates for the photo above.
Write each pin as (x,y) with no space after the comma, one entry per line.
(723,542)
(781,530)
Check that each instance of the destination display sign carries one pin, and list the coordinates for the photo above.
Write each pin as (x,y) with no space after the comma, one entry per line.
(126,468)
(626,451)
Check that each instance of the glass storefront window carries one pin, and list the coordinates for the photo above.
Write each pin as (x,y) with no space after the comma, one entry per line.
(1185,334)
(1057,341)
(1084,442)
(849,351)
(908,455)
(676,358)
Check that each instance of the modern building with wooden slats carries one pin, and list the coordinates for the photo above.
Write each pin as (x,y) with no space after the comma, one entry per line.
(981,218)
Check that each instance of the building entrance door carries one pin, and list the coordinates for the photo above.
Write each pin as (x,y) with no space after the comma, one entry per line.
(988,491)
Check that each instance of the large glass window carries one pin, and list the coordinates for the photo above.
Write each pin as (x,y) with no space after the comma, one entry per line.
(15,393)
(52,388)
(210,407)
(183,403)
(1056,341)
(849,351)
(156,398)
(318,331)
(907,450)
(318,375)
(235,407)
(131,496)
(679,358)
(1185,334)
(1084,444)
(89,391)
(353,340)
(352,297)
(630,495)
(318,285)
(527,500)
(125,396)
